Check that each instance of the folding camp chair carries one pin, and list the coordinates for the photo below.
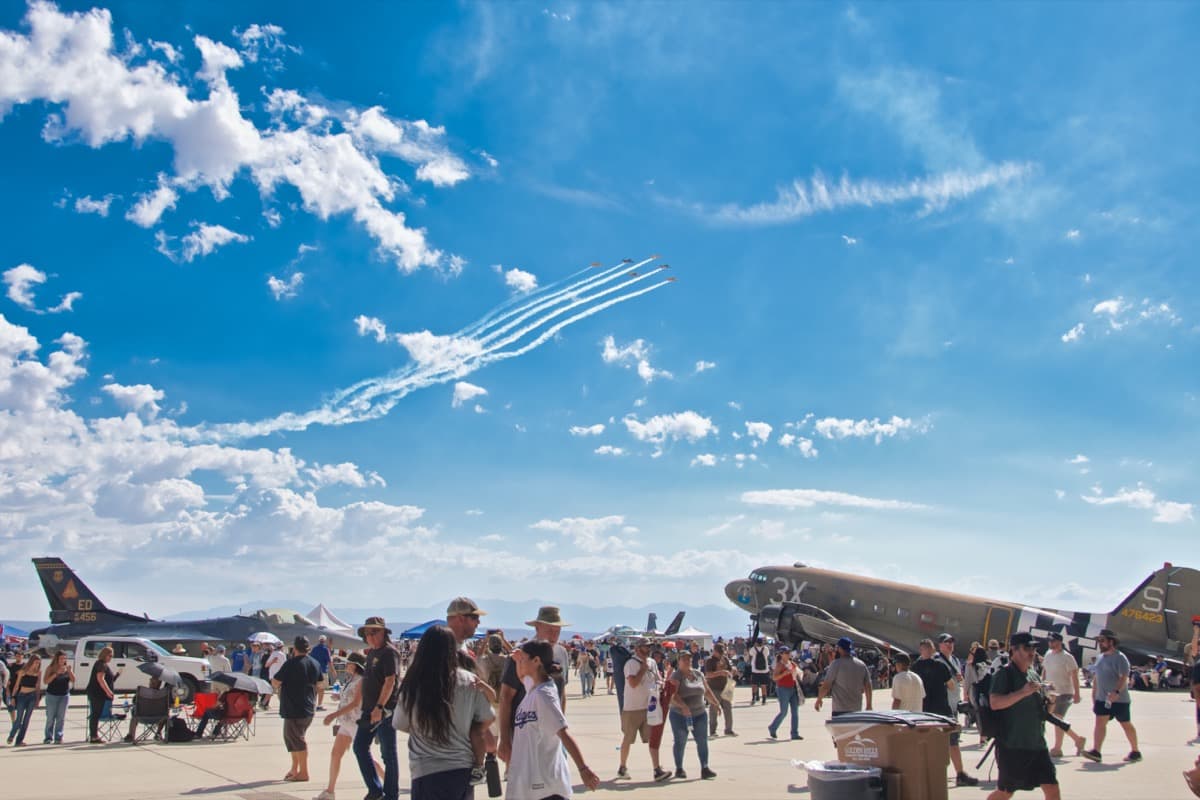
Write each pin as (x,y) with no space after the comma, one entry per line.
(151,709)
(202,702)
(238,722)
(109,724)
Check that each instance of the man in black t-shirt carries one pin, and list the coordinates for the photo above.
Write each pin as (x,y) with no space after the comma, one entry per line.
(296,684)
(939,680)
(548,626)
(379,680)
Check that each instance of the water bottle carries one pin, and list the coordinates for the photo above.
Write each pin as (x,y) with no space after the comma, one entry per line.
(491,768)
(125,705)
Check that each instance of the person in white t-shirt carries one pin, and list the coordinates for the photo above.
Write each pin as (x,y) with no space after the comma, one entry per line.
(908,690)
(538,767)
(642,681)
(274,661)
(1061,670)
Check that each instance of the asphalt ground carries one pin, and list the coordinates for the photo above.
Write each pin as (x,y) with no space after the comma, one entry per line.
(749,766)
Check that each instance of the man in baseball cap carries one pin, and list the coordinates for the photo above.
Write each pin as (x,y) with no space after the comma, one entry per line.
(1110,696)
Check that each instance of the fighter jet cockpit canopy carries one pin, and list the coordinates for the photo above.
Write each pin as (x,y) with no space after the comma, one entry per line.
(282,616)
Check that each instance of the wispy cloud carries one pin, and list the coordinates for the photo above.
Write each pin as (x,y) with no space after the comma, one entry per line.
(22,281)
(809,498)
(834,428)
(805,198)
(1142,497)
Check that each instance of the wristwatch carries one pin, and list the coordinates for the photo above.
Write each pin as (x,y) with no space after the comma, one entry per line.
(381,706)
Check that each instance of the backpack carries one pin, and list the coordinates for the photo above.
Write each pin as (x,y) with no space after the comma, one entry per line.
(991,723)
(494,664)
(760,659)
(178,731)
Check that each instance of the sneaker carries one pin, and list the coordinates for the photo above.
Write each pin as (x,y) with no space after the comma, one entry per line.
(796,737)
(1056,753)
(1091,755)
(58,741)
(477,776)
(772,734)
(320,708)
(679,773)
(707,774)
(46,741)
(324,795)
(661,775)
(373,796)
(1134,755)
(622,774)
(964,779)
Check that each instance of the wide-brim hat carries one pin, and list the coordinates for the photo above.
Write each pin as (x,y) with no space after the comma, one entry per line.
(357,659)
(548,615)
(373,623)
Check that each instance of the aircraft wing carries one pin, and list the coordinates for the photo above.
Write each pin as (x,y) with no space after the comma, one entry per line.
(794,622)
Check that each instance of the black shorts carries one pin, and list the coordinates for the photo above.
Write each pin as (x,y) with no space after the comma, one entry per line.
(1023,770)
(293,734)
(760,678)
(452,784)
(1118,711)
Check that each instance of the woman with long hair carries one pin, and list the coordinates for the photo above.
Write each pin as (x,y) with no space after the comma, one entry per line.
(787,690)
(26,688)
(344,721)
(99,692)
(444,716)
(687,712)
(538,767)
(58,679)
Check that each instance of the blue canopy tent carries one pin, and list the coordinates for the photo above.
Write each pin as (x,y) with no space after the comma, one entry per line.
(418,631)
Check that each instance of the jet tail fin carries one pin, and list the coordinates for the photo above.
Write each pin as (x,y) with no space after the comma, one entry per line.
(651,622)
(675,625)
(1160,609)
(69,597)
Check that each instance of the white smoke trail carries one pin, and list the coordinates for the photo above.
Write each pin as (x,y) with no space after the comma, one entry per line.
(375,397)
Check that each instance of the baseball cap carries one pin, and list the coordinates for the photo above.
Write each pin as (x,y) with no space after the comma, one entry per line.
(463,607)
(1056,636)
(846,643)
(945,637)
(1107,633)
(1021,640)
(301,643)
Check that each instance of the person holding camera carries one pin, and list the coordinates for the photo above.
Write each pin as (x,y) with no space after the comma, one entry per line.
(1022,758)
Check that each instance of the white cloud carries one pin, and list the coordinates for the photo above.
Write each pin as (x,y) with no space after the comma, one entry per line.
(703,366)
(1112,308)
(1079,458)
(704,460)
(589,430)
(89,205)
(1074,334)
(834,428)
(805,198)
(330,157)
(589,535)
(1072,235)
(346,474)
(802,444)
(474,512)
(136,397)
(808,498)
(735,405)
(286,290)
(520,281)
(370,325)
(465,392)
(21,281)
(207,238)
(1121,313)
(1060,494)
(442,352)
(670,427)
(636,353)
(758,430)
(1141,497)
(167,49)
(609,450)
(849,240)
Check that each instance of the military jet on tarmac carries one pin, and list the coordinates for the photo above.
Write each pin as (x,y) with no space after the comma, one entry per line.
(75,611)
(800,602)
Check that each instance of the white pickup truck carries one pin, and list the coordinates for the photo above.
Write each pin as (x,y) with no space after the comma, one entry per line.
(128,653)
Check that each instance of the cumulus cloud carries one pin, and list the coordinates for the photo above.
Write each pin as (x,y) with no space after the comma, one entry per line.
(589,535)
(704,460)
(517,279)
(465,392)
(328,155)
(635,354)
(609,450)
(761,431)
(686,425)
(704,366)
(1079,458)
(1142,497)
(22,281)
(809,498)
(587,430)
(1075,334)
(286,290)
(203,240)
(802,444)
(90,205)
(371,326)
(137,397)
(834,428)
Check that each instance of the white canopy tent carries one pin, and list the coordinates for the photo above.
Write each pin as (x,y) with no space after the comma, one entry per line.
(325,618)
(693,634)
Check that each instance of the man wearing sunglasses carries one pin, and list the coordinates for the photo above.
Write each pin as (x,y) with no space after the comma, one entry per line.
(380,675)
(1110,696)
(1022,758)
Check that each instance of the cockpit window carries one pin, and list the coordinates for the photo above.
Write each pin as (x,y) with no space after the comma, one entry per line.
(758,577)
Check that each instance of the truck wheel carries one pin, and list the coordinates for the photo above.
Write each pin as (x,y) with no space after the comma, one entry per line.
(187,692)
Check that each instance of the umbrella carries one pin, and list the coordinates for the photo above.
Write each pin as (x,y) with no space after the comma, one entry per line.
(243,682)
(264,637)
(578,636)
(164,674)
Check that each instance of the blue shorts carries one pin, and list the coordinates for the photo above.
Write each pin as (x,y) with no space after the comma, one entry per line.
(1118,711)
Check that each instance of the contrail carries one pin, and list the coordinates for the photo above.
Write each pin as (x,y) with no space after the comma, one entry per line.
(375,397)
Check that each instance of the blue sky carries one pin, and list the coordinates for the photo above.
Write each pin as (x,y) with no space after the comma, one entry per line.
(936,315)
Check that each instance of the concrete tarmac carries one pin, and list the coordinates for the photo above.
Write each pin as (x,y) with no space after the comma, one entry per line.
(748,766)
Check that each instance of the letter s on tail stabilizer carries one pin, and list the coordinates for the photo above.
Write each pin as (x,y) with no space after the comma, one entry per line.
(1160,609)
(70,599)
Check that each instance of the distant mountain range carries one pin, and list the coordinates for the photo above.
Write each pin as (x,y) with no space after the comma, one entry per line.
(511,615)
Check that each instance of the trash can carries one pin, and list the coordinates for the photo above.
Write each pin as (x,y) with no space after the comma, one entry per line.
(913,744)
(833,780)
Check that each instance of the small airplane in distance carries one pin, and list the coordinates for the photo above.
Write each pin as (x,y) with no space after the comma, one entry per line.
(800,602)
(626,260)
(632,274)
(671,279)
(595,264)
(656,255)
(664,266)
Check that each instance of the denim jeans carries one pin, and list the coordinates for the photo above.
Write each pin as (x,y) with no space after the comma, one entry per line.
(679,729)
(25,704)
(56,716)
(788,699)
(587,682)
(385,734)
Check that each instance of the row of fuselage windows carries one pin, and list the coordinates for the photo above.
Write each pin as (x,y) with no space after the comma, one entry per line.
(927,617)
